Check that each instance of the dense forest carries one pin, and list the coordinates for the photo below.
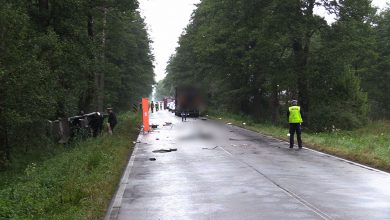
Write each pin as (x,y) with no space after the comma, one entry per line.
(58,58)
(252,56)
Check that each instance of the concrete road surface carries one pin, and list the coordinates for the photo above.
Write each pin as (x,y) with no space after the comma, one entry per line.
(225,172)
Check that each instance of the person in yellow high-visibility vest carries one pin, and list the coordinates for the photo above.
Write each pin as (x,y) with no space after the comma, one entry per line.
(294,116)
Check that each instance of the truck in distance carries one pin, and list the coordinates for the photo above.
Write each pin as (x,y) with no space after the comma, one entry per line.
(189,100)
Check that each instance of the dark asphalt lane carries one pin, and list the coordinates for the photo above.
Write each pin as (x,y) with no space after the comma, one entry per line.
(225,172)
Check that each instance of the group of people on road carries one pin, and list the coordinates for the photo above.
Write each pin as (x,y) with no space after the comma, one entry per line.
(157,106)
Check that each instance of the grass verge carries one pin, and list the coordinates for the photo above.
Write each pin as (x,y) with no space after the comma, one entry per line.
(369,145)
(75,184)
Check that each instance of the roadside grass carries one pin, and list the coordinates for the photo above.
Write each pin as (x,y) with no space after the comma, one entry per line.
(75,184)
(369,145)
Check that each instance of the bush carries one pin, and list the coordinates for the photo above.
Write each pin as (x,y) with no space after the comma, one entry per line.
(327,118)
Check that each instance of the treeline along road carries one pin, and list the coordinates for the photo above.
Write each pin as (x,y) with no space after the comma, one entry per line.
(58,58)
(253,56)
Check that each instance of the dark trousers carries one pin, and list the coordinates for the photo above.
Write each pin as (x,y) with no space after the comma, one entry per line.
(295,128)
(183,116)
(112,125)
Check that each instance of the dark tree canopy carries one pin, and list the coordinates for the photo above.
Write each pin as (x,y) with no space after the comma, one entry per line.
(60,57)
(252,56)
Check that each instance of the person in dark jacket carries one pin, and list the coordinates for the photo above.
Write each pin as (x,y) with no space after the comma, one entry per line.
(294,117)
(112,121)
(96,123)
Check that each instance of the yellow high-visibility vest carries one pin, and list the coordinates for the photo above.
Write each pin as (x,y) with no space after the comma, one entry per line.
(295,114)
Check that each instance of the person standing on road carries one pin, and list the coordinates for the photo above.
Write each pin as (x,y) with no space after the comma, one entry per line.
(183,115)
(112,121)
(294,116)
(152,106)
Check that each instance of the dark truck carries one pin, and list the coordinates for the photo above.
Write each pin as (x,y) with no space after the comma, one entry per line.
(167,100)
(189,100)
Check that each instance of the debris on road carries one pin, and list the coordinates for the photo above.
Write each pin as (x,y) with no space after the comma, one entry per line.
(258,165)
(154,126)
(206,148)
(168,124)
(165,150)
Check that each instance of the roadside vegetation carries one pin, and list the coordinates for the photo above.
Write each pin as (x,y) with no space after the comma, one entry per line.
(58,58)
(369,145)
(252,57)
(75,183)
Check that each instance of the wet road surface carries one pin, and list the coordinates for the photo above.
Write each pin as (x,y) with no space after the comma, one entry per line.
(209,170)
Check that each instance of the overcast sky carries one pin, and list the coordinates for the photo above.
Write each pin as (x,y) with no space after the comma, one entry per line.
(166,20)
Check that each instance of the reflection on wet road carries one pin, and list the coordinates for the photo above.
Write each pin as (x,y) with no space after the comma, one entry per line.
(202,169)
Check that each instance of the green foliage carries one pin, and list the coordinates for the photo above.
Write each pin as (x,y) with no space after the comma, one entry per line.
(253,56)
(376,78)
(162,90)
(130,72)
(51,59)
(75,184)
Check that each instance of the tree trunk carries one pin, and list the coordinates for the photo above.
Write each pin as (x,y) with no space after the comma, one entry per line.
(7,147)
(2,148)
(87,100)
(99,77)
(301,56)
(90,27)
(275,103)
(44,13)
(301,49)
(3,141)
